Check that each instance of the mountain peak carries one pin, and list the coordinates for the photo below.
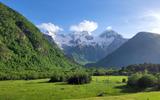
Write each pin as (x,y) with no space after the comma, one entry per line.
(109,33)
(143,47)
(83,33)
(147,33)
(85,47)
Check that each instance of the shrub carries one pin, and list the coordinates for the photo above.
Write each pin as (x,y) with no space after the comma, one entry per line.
(133,80)
(147,80)
(158,80)
(58,78)
(99,72)
(79,78)
(123,80)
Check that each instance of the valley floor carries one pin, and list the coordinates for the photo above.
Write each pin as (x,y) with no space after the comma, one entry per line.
(135,96)
(108,87)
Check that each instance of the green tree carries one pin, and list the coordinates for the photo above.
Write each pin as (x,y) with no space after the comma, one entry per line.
(147,80)
(133,79)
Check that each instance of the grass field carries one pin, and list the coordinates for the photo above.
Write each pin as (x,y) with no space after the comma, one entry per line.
(110,87)
(135,96)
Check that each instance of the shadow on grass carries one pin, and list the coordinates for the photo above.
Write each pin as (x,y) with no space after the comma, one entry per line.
(128,89)
(45,82)
(56,83)
(37,82)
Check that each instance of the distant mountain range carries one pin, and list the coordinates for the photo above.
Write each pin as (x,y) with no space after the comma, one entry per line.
(142,48)
(85,48)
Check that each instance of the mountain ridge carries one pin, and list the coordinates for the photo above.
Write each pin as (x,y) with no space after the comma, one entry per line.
(84,47)
(143,47)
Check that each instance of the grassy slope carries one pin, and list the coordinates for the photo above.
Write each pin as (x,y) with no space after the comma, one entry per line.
(23,47)
(41,90)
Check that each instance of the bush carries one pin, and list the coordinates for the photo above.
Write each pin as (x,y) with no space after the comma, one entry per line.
(147,80)
(158,80)
(99,72)
(133,80)
(58,78)
(79,78)
(123,80)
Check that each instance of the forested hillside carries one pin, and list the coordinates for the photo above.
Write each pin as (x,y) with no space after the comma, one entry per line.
(23,49)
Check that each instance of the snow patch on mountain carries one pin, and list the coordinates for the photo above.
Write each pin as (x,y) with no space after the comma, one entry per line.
(85,39)
(85,47)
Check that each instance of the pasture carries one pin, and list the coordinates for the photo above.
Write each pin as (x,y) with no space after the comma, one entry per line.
(101,88)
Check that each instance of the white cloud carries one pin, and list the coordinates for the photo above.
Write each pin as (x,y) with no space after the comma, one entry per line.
(148,21)
(109,28)
(153,20)
(85,25)
(49,29)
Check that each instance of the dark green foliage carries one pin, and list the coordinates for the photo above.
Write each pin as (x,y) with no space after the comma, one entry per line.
(124,80)
(58,77)
(103,71)
(133,80)
(99,72)
(147,80)
(142,81)
(79,78)
(23,49)
(127,71)
(150,68)
(158,80)
(26,75)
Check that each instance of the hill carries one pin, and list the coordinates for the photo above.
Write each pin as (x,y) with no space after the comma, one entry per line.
(23,47)
(142,48)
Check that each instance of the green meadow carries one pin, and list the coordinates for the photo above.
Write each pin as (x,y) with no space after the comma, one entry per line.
(134,96)
(101,88)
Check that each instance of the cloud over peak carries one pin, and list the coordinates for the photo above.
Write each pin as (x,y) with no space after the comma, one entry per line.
(109,28)
(85,25)
(49,28)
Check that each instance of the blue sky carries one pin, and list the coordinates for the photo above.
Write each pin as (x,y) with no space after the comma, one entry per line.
(124,16)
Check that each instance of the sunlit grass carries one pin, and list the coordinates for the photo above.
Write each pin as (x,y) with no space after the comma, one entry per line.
(42,90)
(135,96)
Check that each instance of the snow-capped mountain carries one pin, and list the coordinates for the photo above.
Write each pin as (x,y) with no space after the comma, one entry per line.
(85,39)
(84,47)
(143,47)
